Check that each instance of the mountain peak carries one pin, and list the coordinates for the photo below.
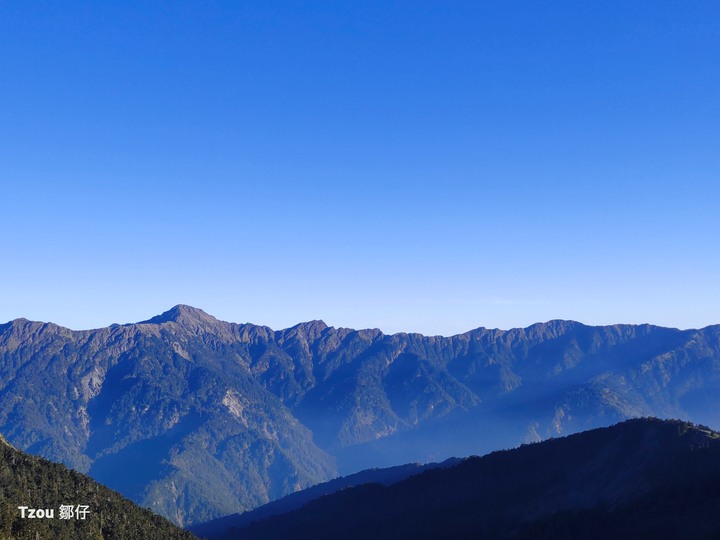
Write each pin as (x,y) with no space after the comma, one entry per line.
(315,325)
(311,330)
(182,315)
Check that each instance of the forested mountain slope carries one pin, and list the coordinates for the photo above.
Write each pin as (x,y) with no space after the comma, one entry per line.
(97,512)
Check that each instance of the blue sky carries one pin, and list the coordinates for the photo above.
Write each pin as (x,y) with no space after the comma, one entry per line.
(408,165)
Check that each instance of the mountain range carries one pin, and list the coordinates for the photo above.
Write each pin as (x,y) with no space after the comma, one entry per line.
(197,418)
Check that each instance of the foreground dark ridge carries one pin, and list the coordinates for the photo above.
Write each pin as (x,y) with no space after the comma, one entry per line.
(36,483)
(216,418)
(294,501)
(639,479)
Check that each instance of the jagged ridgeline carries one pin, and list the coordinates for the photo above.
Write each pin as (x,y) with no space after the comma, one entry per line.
(198,418)
(98,513)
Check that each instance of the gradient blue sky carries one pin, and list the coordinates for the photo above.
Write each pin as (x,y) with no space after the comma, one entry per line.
(408,165)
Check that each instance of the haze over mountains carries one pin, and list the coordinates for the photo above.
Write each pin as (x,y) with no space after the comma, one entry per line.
(198,418)
(387,476)
(643,478)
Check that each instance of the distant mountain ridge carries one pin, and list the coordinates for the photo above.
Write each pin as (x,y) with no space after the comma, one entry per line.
(216,418)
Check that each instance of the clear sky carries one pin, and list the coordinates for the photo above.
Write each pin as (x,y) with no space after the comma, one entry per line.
(407,165)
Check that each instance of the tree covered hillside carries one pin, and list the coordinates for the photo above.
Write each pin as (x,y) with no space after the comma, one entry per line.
(36,483)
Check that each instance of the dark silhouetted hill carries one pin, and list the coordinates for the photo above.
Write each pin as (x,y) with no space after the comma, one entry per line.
(643,478)
(294,501)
